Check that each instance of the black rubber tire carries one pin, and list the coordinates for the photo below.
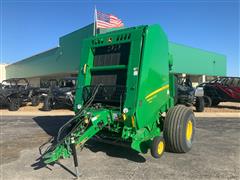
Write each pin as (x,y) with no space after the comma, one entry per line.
(14,104)
(47,104)
(35,100)
(155,145)
(199,104)
(215,102)
(207,101)
(175,127)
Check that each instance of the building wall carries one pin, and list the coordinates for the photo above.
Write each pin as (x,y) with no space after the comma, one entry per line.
(196,61)
(66,58)
(35,82)
(38,65)
(2,72)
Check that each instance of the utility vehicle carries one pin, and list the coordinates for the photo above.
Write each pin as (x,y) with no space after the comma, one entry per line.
(17,92)
(61,94)
(187,95)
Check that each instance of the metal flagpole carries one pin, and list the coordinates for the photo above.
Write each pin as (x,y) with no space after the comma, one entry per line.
(94,22)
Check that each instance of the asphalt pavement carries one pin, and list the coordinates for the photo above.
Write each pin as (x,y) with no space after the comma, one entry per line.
(215,153)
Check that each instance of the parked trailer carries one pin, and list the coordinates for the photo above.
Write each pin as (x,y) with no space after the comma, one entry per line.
(125,93)
(221,89)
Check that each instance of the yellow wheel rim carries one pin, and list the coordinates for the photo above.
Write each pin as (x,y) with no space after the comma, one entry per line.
(160,147)
(189,130)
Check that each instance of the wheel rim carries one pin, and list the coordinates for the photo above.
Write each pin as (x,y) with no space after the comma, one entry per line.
(160,147)
(189,130)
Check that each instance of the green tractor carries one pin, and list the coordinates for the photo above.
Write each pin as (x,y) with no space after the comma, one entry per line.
(126,93)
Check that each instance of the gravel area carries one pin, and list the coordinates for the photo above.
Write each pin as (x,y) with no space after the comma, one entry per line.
(35,111)
(224,107)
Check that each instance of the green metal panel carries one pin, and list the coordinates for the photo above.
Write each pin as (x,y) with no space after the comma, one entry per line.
(71,46)
(190,60)
(106,30)
(154,77)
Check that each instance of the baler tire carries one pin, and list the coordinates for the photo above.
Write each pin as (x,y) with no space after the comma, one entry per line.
(179,129)
(199,104)
(14,104)
(157,147)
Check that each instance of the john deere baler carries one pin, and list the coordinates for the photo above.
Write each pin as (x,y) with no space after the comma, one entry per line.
(125,92)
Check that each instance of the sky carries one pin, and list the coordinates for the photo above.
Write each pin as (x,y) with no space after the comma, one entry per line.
(32,26)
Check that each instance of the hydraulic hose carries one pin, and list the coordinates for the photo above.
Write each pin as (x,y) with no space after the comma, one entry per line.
(79,114)
(89,102)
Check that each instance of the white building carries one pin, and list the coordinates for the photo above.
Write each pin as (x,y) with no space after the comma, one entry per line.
(2,72)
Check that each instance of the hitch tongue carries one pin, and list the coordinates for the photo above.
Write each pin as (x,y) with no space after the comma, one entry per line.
(75,160)
(77,136)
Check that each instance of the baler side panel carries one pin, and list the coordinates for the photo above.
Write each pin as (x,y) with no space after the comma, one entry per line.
(83,78)
(153,90)
(132,80)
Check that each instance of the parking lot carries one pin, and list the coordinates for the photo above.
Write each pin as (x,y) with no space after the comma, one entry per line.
(215,154)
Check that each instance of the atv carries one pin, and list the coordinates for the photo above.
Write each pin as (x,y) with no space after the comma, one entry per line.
(221,89)
(62,94)
(187,95)
(16,92)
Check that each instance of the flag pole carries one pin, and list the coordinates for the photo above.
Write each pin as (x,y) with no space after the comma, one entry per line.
(94,22)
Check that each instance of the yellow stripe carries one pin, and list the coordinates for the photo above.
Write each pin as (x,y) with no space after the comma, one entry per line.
(133,121)
(157,91)
(149,99)
(124,116)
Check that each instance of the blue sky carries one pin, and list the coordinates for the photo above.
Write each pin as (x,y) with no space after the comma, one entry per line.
(29,27)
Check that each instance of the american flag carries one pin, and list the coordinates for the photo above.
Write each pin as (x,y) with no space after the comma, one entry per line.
(107,20)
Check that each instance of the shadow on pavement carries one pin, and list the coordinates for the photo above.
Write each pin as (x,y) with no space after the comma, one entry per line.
(115,150)
(40,164)
(51,124)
